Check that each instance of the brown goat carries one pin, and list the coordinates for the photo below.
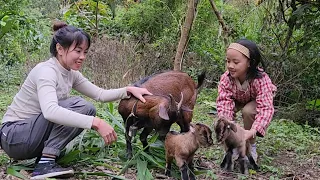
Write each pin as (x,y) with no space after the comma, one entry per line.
(183,146)
(232,136)
(167,88)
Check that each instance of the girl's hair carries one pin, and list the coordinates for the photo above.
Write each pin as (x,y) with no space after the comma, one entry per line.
(255,59)
(65,35)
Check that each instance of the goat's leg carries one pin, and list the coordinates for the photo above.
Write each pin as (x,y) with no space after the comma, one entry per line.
(128,124)
(184,172)
(243,161)
(191,171)
(252,162)
(183,166)
(227,163)
(243,165)
(168,166)
(143,138)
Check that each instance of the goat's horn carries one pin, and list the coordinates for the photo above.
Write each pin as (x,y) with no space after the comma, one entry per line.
(180,103)
(172,101)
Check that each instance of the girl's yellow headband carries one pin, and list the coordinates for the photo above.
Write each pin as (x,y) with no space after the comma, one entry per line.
(236,46)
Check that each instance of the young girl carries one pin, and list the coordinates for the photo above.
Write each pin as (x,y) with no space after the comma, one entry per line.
(246,86)
(43,118)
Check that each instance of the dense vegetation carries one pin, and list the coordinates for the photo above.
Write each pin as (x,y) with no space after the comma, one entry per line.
(134,39)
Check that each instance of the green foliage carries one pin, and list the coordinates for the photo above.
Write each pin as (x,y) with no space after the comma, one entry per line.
(286,135)
(147,19)
(313,105)
(3,159)
(22,35)
(83,14)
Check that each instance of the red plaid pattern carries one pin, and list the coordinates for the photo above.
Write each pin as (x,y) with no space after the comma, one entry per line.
(261,90)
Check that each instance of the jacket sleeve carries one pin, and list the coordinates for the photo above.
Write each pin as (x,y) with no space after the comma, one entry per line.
(46,81)
(225,103)
(85,87)
(265,109)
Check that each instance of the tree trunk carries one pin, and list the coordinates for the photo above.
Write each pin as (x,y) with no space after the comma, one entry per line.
(185,31)
(225,28)
(97,28)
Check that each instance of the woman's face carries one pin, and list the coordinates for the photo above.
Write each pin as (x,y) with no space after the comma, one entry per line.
(237,64)
(72,57)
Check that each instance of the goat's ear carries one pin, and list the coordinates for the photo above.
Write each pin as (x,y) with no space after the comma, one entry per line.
(184,108)
(233,127)
(163,113)
(216,123)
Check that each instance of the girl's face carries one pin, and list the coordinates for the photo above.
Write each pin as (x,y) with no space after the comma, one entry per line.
(237,64)
(72,57)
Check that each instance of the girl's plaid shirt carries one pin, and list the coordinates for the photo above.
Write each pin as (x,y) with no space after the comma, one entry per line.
(261,90)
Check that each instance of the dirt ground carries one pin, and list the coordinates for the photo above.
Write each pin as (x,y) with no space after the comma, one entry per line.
(292,169)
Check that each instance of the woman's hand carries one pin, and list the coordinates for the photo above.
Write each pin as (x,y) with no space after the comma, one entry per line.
(138,92)
(250,134)
(105,130)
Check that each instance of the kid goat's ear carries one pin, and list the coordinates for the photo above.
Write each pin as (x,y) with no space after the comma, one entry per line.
(216,123)
(232,126)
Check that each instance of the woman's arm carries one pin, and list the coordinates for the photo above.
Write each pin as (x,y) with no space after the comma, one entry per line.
(46,81)
(84,86)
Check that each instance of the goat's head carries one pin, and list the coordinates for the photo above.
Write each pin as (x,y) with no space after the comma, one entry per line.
(174,107)
(203,134)
(223,129)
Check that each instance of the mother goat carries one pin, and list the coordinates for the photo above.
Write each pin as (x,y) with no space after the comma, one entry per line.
(173,100)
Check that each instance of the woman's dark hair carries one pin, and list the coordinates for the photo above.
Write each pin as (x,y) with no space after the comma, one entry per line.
(255,58)
(65,35)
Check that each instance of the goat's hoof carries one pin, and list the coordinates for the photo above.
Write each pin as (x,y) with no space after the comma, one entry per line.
(252,164)
(244,171)
(168,173)
(192,176)
(229,169)
(223,165)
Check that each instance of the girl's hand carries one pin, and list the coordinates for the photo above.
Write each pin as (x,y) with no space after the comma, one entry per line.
(105,130)
(138,92)
(250,134)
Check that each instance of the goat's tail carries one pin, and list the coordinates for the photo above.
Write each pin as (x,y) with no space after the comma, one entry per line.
(201,78)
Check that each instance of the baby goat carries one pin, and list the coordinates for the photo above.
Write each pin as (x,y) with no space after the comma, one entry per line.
(182,147)
(232,135)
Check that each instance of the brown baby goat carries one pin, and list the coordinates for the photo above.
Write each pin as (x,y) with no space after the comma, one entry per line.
(232,136)
(182,147)
(173,99)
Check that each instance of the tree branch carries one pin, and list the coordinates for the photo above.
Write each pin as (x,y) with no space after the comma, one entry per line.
(185,31)
(221,21)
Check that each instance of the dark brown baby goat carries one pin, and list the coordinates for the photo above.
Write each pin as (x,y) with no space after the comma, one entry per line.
(173,99)
(232,136)
(182,147)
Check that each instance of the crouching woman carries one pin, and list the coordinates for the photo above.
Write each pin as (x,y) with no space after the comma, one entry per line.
(246,86)
(43,118)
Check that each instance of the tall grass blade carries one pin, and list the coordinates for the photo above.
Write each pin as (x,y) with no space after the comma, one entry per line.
(70,157)
(143,171)
(13,170)
(116,121)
